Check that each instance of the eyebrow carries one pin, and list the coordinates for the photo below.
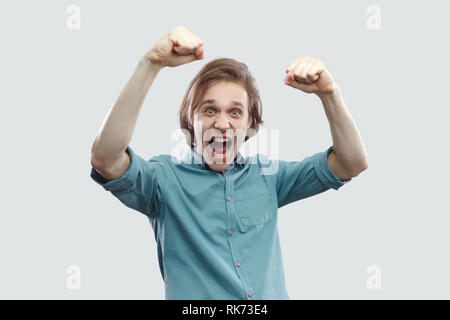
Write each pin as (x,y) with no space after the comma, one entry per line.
(212,101)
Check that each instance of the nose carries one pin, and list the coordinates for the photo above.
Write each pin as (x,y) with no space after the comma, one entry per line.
(222,123)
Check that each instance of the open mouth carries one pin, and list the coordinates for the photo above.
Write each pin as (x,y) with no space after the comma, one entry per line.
(219,147)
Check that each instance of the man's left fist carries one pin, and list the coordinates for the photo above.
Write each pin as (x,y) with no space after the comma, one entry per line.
(309,75)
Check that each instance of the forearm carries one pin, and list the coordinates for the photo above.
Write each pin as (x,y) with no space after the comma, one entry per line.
(347,142)
(118,127)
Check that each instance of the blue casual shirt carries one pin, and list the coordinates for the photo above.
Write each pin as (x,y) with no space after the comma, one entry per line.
(216,232)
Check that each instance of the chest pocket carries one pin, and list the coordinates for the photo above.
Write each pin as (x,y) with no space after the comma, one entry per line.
(255,206)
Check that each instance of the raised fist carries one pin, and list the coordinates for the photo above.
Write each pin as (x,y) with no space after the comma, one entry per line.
(178,47)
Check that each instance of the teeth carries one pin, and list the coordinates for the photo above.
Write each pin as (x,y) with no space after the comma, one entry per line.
(221,139)
(219,143)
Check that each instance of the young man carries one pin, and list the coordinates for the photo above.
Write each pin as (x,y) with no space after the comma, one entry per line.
(214,213)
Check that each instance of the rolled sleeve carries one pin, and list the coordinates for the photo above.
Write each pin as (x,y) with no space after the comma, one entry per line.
(324,173)
(296,180)
(122,183)
(141,186)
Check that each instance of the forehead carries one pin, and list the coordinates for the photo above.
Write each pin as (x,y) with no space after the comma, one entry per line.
(225,92)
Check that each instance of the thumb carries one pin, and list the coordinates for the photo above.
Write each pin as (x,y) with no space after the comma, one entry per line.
(289,80)
(298,85)
(288,77)
(199,52)
(186,58)
(183,59)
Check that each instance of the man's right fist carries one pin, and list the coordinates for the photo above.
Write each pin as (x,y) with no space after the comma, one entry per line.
(178,47)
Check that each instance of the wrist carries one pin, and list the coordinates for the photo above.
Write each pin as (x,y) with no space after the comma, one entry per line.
(333,94)
(145,62)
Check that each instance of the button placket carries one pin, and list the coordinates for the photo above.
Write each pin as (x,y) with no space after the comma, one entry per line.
(231,221)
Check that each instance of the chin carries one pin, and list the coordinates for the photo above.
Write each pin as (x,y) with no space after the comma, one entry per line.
(218,167)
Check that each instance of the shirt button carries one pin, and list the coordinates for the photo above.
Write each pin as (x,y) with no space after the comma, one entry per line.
(230,233)
(238,264)
(250,294)
(229,198)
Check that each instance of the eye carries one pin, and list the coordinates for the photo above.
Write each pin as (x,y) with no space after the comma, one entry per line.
(207,109)
(238,113)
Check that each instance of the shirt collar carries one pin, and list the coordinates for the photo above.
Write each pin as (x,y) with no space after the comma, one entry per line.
(191,157)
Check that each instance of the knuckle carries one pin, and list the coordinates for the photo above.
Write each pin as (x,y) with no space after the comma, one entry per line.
(176,30)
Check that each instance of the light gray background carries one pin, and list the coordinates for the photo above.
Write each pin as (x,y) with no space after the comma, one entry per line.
(58,84)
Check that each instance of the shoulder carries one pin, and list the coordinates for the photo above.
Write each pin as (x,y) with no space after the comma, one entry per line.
(161,158)
(264,163)
(167,161)
(163,161)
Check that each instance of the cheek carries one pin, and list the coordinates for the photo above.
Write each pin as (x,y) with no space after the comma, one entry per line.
(245,123)
(249,121)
